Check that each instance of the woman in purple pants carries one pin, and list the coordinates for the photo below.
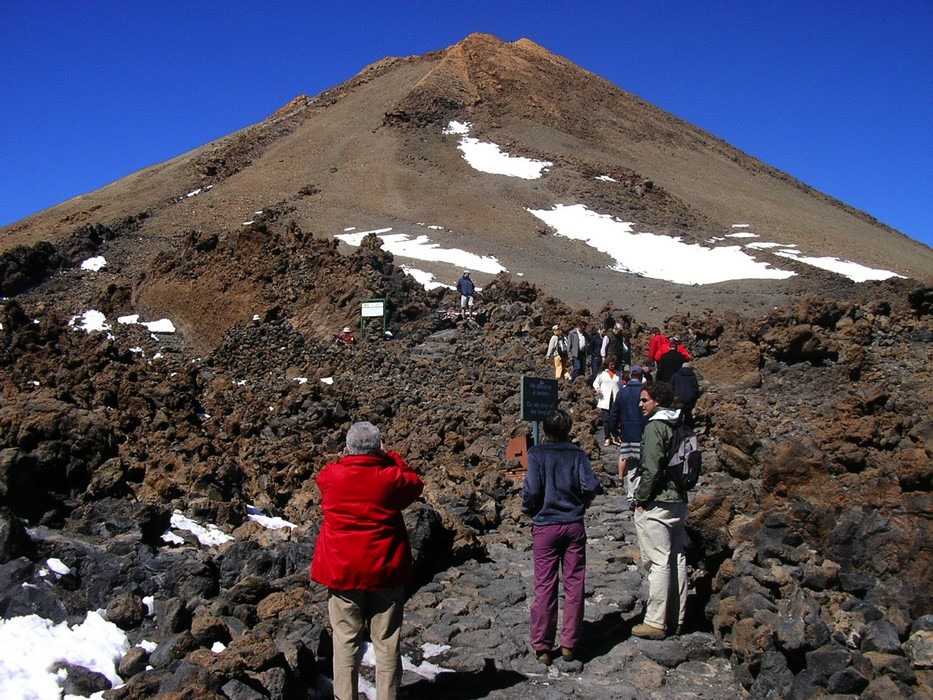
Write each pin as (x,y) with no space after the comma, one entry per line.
(558,487)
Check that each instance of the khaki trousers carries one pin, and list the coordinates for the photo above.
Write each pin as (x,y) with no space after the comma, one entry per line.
(352,614)
(661,533)
(561,368)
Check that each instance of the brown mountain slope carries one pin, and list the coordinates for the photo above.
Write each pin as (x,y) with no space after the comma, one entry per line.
(371,154)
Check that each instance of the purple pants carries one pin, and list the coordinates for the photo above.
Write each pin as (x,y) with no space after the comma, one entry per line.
(558,547)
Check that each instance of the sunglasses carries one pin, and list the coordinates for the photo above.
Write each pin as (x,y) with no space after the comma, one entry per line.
(644,400)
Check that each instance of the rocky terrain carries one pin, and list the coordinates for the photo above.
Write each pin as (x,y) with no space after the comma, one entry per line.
(810,547)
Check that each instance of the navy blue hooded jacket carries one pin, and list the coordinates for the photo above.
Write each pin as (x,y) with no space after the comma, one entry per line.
(559,484)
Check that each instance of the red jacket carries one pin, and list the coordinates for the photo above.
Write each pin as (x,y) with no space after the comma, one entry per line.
(662,347)
(658,346)
(363,543)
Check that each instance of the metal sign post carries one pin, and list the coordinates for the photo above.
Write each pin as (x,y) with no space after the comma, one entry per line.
(538,398)
(372,308)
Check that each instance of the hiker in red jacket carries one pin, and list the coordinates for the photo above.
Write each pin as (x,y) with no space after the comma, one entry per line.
(364,557)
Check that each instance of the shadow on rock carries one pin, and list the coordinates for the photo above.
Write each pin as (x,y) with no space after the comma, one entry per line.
(601,636)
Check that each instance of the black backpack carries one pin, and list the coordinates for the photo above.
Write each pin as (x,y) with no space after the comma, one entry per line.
(686,463)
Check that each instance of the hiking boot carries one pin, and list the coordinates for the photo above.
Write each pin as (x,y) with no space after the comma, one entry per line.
(648,632)
(544,657)
(567,654)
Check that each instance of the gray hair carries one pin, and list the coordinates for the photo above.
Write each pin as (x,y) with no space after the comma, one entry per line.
(363,438)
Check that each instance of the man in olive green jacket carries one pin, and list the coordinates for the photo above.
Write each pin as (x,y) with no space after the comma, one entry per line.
(660,518)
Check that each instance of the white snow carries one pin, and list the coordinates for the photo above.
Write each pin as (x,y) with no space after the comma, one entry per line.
(655,256)
(58,566)
(90,321)
(161,326)
(94,264)
(854,271)
(489,158)
(208,535)
(30,645)
(421,247)
(272,523)
(425,279)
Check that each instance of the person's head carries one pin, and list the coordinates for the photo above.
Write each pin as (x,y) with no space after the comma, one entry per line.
(636,373)
(655,330)
(674,339)
(364,438)
(655,395)
(611,362)
(557,425)
(346,329)
(581,326)
(466,273)
(556,329)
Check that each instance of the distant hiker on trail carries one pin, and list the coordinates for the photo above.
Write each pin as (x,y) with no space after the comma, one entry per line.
(594,350)
(345,337)
(467,289)
(558,348)
(686,390)
(626,416)
(558,488)
(364,557)
(606,385)
(578,349)
(658,345)
(660,518)
(619,346)
(672,360)
(647,370)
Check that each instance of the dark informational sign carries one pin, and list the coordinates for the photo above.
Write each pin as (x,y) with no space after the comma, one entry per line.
(539,397)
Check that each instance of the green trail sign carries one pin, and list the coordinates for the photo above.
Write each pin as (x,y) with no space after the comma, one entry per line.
(539,397)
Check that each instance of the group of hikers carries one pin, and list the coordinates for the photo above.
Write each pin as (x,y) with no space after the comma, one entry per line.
(640,405)
(607,355)
(364,557)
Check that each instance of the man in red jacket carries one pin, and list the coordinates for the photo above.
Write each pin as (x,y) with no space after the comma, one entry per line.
(363,556)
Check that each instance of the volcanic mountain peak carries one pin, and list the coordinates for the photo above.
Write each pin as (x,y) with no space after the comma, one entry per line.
(372,154)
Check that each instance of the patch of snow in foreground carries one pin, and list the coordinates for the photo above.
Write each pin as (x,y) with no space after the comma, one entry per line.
(161,326)
(655,256)
(854,271)
(489,158)
(90,321)
(425,669)
(267,521)
(207,535)
(94,264)
(422,248)
(30,645)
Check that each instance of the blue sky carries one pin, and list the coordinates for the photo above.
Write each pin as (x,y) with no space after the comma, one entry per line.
(837,94)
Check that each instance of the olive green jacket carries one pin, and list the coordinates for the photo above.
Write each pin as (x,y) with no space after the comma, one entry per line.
(655,453)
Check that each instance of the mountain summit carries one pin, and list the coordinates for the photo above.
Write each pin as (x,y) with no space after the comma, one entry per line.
(617,178)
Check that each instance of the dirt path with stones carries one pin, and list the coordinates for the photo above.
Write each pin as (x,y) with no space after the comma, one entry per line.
(478,615)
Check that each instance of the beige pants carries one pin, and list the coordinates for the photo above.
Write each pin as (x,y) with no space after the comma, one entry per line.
(561,368)
(661,535)
(352,614)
